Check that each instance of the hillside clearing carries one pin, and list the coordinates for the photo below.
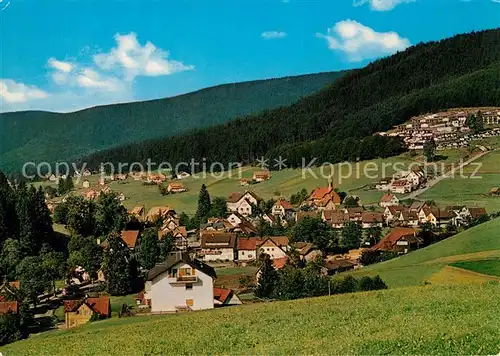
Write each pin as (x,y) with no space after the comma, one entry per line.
(444,320)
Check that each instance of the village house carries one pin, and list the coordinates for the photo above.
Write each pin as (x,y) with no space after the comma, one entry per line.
(307,251)
(283,209)
(183,175)
(407,218)
(302,214)
(392,213)
(388,200)
(401,186)
(86,184)
(440,217)
(242,202)
(337,219)
(137,213)
(332,267)
(244,182)
(159,212)
(476,213)
(218,246)
(370,220)
(495,191)
(79,312)
(180,284)
(176,188)
(383,184)
(325,198)
(275,247)
(225,297)
(400,240)
(247,249)
(261,176)
(131,238)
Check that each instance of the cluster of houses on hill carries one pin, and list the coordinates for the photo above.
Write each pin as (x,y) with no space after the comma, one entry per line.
(402,182)
(448,129)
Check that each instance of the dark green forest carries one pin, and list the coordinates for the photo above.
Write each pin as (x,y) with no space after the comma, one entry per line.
(45,136)
(337,123)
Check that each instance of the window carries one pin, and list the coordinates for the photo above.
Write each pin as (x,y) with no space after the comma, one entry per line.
(189,302)
(243,253)
(189,286)
(174,272)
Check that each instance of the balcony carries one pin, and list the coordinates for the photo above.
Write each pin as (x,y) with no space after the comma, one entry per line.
(182,279)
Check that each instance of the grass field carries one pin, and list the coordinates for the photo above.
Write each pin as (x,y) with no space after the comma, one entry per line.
(472,189)
(445,320)
(479,243)
(489,267)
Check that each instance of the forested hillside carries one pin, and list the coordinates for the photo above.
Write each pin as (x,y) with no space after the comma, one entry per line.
(45,136)
(337,123)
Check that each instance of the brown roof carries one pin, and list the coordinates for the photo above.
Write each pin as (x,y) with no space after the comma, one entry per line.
(6,307)
(130,237)
(338,264)
(157,211)
(175,258)
(396,209)
(388,242)
(302,214)
(72,305)
(247,243)
(477,212)
(339,217)
(442,213)
(368,218)
(263,175)
(176,185)
(303,248)
(137,210)
(409,215)
(355,212)
(279,241)
(211,239)
(387,198)
(235,197)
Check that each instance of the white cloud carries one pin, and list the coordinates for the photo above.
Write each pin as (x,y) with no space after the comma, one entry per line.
(381,5)
(269,35)
(14,92)
(134,60)
(107,79)
(360,42)
(89,78)
(65,67)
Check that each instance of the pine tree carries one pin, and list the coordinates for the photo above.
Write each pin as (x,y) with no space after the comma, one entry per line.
(204,205)
(8,218)
(267,279)
(68,184)
(117,267)
(148,249)
(61,186)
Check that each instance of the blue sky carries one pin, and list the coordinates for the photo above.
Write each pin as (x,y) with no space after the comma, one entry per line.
(63,55)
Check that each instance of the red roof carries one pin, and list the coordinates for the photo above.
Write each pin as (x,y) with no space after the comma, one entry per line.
(6,307)
(286,205)
(99,305)
(247,244)
(394,236)
(130,237)
(279,263)
(320,193)
(222,295)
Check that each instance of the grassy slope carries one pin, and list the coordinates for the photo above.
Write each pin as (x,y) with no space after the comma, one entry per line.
(474,187)
(45,136)
(480,242)
(444,320)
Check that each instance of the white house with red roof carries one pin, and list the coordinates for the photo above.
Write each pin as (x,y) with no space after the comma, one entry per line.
(241,203)
(225,297)
(388,200)
(283,209)
(247,249)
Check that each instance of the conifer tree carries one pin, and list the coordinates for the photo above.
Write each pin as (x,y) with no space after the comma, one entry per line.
(117,266)
(267,280)
(204,204)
